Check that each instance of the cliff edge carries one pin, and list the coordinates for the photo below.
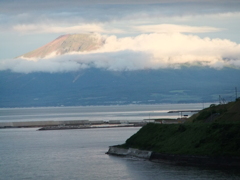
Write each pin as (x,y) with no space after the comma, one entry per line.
(198,141)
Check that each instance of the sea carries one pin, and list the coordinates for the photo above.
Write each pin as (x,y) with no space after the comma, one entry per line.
(26,153)
(96,113)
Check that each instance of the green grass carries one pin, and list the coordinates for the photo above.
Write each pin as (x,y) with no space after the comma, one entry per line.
(198,136)
(226,113)
(213,139)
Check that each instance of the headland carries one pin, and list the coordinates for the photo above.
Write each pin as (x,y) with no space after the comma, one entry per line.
(210,137)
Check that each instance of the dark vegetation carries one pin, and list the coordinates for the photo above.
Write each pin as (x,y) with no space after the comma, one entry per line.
(198,137)
(195,139)
(229,112)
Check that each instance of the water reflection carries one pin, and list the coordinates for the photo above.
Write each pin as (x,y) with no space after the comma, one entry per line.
(144,169)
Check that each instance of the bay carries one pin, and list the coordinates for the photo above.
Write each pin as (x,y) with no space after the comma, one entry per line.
(26,153)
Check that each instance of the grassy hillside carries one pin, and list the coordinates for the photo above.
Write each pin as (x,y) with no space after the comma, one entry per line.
(195,139)
(219,113)
(219,138)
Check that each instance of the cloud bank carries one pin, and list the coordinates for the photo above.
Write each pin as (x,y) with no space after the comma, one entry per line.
(171,28)
(102,28)
(46,28)
(146,51)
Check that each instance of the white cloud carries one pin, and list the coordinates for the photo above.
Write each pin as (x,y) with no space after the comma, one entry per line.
(109,29)
(47,28)
(207,17)
(171,28)
(146,51)
(43,65)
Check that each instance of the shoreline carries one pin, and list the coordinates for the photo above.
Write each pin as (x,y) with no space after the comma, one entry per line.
(195,160)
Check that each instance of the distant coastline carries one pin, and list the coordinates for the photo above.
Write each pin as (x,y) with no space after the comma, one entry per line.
(78,124)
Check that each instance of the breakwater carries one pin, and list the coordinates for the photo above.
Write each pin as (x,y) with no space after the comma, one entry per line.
(72,124)
(61,127)
(42,123)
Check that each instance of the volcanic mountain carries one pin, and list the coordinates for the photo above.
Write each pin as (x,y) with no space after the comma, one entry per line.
(100,86)
(67,43)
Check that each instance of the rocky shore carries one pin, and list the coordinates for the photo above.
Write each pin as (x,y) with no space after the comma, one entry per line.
(215,161)
(114,150)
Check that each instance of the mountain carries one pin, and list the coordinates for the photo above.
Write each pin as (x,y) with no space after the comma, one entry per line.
(103,87)
(99,86)
(65,44)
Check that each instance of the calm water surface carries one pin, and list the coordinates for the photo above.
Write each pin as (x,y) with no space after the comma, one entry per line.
(123,112)
(80,154)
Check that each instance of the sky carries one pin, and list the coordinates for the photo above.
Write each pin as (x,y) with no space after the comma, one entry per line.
(139,34)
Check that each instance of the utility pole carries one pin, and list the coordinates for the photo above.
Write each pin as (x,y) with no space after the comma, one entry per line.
(236,92)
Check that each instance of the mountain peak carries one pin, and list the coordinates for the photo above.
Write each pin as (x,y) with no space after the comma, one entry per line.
(67,43)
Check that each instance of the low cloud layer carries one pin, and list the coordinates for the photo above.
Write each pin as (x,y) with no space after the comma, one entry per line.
(146,51)
(101,28)
(171,28)
(45,28)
